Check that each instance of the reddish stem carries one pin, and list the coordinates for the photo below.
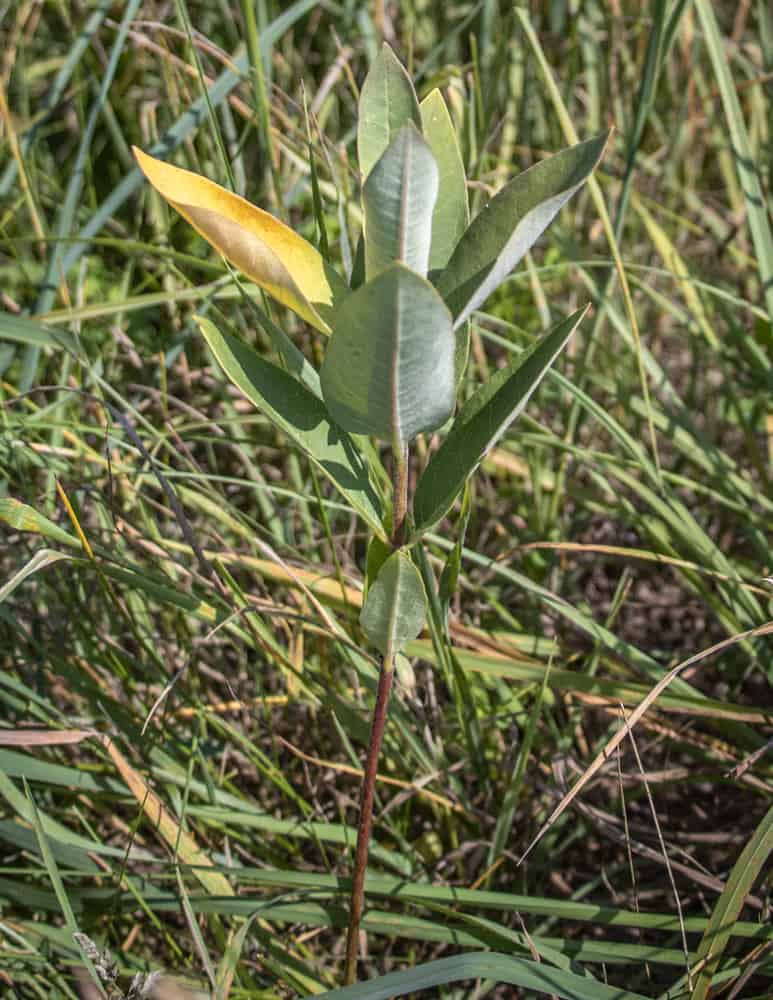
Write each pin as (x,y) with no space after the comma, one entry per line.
(366,817)
(401,501)
(400,489)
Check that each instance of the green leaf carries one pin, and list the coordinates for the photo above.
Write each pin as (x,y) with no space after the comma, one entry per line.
(387,102)
(746,869)
(749,170)
(537,976)
(452,214)
(511,223)
(482,420)
(303,417)
(396,606)
(21,517)
(397,199)
(389,366)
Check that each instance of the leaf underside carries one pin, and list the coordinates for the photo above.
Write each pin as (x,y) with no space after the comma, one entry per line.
(389,366)
(398,198)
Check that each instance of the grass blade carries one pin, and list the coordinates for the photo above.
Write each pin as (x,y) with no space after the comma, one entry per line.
(728,906)
(483,965)
(743,154)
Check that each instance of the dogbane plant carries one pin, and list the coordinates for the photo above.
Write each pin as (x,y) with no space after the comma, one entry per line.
(398,340)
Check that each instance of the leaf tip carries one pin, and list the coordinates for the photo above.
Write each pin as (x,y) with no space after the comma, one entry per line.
(144,160)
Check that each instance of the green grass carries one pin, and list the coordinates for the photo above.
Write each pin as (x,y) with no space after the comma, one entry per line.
(200,618)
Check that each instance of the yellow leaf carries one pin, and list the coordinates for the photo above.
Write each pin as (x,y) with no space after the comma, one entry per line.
(279,260)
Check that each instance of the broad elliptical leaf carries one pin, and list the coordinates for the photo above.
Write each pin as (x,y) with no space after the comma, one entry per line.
(270,253)
(389,366)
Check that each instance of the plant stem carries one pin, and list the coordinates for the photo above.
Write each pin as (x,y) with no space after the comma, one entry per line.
(400,500)
(378,723)
(366,816)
